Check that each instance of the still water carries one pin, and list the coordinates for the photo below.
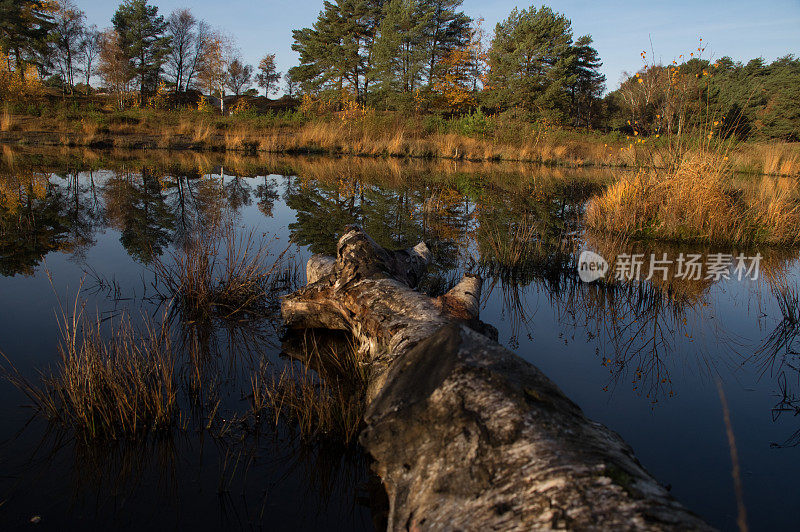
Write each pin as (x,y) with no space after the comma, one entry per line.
(651,359)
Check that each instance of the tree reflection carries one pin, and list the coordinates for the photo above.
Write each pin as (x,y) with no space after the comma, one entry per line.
(135,205)
(237,191)
(33,220)
(321,212)
(267,194)
(396,217)
(525,239)
(83,212)
(520,227)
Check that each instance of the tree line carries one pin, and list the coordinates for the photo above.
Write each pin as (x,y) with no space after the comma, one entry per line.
(756,100)
(142,52)
(406,55)
(402,53)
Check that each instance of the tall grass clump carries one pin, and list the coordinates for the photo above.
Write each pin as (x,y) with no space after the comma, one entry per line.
(119,385)
(685,191)
(6,121)
(222,275)
(324,398)
(510,247)
(696,201)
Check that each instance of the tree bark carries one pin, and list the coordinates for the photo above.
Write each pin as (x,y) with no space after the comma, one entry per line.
(465,434)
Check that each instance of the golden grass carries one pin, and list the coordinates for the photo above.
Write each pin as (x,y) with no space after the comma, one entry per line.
(776,158)
(360,139)
(119,386)
(199,131)
(89,129)
(222,274)
(6,120)
(327,401)
(696,202)
(510,247)
(379,135)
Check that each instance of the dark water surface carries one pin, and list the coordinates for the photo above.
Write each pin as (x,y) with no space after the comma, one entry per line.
(644,358)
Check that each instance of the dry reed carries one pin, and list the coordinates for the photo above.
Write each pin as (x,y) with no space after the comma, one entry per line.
(119,386)
(222,275)
(327,401)
(381,134)
(6,120)
(696,202)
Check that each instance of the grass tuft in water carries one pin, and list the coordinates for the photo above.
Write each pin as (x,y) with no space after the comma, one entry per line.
(223,275)
(117,385)
(324,397)
(695,202)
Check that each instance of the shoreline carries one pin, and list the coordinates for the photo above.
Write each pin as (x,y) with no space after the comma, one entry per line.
(219,144)
(385,136)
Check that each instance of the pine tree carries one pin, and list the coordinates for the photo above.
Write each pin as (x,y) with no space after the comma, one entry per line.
(24,28)
(400,50)
(780,117)
(532,62)
(337,51)
(142,39)
(450,30)
(589,82)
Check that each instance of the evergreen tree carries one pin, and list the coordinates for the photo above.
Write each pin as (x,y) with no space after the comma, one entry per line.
(749,100)
(337,51)
(400,50)
(450,30)
(24,28)
(589,83)
(532,63)
(779,118)
(142,40)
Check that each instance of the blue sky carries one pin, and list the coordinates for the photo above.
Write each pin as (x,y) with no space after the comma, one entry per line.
(621,29)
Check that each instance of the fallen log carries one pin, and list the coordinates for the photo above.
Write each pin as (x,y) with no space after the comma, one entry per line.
(465,434)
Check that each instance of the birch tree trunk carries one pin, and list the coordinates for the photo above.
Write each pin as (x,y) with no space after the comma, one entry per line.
(465,434)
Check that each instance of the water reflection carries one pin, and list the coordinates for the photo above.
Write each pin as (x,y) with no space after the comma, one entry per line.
(521,230)
(33,220)
(648,341)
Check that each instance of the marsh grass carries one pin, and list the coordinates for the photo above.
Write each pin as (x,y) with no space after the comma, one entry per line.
(112,381)
(511,246)
(788,299)
(683,190)
(696,202)
(223,274)
(779,350)
(6,120)
(515,254)
(775,158)
(374,134)
(323,397)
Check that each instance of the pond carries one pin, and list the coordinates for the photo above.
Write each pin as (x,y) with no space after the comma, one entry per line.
(689,371)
